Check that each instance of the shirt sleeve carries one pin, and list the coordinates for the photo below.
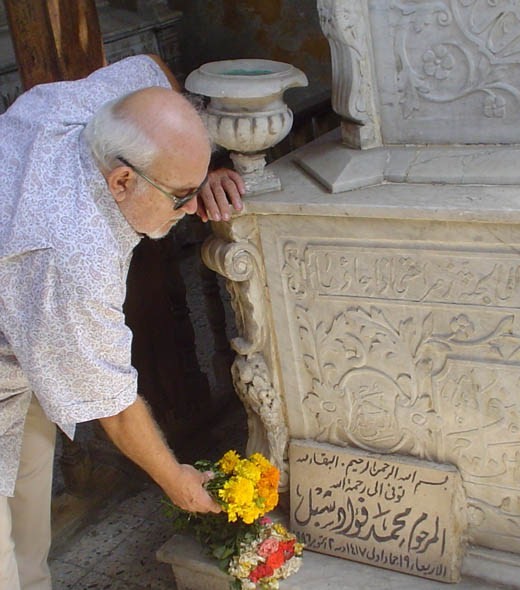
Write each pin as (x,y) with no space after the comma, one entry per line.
(72,343)
(74,103)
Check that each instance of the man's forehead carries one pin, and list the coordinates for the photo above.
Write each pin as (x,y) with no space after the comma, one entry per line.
(177,173)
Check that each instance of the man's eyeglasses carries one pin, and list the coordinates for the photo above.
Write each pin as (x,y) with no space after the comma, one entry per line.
(178,201)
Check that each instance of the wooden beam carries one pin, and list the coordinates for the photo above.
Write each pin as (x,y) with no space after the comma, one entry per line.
(55,39)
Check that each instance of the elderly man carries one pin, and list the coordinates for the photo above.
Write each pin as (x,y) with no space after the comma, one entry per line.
(88,167)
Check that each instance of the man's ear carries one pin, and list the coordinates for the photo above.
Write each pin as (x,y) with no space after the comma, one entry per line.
(120,180)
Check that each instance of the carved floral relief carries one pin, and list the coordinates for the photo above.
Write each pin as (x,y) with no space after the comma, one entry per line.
(450,50)
(416,353)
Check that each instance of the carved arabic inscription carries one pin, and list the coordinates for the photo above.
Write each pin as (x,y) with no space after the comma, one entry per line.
(396,513)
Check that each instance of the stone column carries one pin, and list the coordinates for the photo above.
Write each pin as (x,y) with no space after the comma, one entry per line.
(346,26)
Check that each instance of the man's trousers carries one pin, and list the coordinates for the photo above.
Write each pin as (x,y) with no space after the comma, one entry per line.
(25,528)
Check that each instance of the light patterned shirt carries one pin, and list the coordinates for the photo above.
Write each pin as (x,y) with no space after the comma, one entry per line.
(64,255)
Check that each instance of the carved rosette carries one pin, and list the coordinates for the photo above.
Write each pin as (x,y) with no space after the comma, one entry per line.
(346,26)
(253,376)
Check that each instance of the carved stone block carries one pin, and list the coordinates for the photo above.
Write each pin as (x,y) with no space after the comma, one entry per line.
(404,337)
(425,71)
(397,513)
(448,70)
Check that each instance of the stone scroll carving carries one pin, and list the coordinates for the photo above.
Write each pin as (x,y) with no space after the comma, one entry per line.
(418,353)
(266,422)
(240,263)
(345,24)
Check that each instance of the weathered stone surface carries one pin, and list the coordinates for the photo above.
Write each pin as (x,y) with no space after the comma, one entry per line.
(447,71)
(339,168)
(425,71)
(194,571)
(393,512)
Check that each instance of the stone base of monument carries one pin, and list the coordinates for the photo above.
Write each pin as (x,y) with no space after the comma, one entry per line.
(340,168)
(193,570)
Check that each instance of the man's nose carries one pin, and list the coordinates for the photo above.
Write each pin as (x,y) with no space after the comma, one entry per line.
(190,207)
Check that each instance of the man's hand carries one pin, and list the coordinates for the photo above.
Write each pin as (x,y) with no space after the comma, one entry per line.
(188,492)
(220,194)
(136,434)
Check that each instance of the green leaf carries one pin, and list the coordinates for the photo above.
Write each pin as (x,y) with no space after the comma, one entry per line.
(223,552)
(205,465)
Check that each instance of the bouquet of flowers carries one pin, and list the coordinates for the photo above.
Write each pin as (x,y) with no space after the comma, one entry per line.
(249,546)
(273,554)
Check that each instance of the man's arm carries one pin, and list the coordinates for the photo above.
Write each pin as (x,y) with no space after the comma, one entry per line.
(136,434)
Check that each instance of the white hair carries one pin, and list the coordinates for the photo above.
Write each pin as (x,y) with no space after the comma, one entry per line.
(112,134)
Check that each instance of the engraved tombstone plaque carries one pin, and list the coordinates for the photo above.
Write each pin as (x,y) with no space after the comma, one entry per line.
(393,512)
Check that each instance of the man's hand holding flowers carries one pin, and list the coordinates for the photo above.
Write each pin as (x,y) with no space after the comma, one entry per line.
(256,552)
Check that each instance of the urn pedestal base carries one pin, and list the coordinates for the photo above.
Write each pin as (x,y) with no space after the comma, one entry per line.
(256,178)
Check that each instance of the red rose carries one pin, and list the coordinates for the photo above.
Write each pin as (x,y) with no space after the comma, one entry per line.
(261,571)
(276,560)
(288,548)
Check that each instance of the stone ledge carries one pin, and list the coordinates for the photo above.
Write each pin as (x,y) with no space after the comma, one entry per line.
(340,168)
(193,570)
(496,567)
(301,195)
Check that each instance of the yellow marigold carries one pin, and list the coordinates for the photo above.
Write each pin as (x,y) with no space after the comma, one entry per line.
(267,487)
(270,501)
(231,515)
(259,460)
(250,513)
(249,470)
(228,462)
(279,528)
(237,491)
